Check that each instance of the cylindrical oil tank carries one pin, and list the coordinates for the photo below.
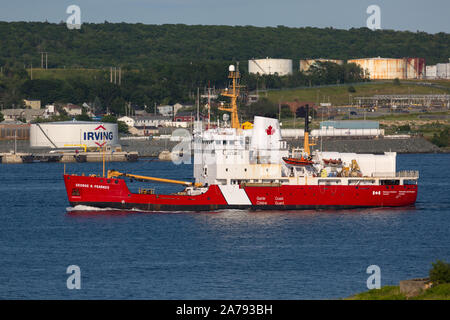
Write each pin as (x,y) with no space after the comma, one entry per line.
(66,134)
(441,70)
(415,68)
(267,66)
(307,63)
(431,72)
(382,68)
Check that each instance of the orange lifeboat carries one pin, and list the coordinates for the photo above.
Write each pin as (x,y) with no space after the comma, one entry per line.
(298,162)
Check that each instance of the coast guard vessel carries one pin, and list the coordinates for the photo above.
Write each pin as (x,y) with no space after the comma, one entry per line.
(255,169)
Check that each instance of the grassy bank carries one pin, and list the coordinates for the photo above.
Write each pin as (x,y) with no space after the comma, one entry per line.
(440,292)
(340,95)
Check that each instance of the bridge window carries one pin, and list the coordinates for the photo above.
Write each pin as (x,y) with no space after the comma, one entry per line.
(389,182)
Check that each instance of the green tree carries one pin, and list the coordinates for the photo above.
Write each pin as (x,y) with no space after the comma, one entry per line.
(440,273)
(2,118)
(286,112)
(83,117)
(109,118)
(263,107)
(442,139)
(122,127)
(118,106)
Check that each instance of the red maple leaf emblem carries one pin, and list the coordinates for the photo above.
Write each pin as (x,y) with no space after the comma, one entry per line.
(270,130)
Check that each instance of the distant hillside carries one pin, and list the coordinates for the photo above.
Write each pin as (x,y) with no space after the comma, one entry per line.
(139,45)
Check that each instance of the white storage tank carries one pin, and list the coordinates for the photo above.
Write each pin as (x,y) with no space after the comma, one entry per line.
(268,66)
(67,134)
(431,72)
(442,70)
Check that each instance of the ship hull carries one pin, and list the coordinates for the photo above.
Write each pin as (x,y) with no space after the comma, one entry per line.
(114,193)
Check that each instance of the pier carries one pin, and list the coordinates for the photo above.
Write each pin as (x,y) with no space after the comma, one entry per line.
(67,157)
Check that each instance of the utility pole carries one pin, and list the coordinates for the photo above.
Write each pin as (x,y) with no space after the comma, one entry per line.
(15,141)
(198,104)
(279,111)
(209,105)
(42,59)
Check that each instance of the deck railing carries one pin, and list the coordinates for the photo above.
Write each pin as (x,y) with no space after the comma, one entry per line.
(407,174)
(399,174)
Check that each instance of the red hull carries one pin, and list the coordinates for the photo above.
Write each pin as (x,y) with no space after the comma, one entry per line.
(114,193)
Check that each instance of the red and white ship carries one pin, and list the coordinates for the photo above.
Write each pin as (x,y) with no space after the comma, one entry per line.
(254,169)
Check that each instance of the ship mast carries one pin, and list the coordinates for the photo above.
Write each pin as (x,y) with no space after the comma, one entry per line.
(234,94)
(306,143)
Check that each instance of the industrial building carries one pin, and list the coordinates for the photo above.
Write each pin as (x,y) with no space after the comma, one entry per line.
(388,68)
(33,104)
(350,124)
(406,100)
(14,130)
(67,134)
(307,63)
(269,66)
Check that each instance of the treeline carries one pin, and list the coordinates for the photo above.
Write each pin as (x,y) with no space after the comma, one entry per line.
(165,64)
(139,45)
(164,83)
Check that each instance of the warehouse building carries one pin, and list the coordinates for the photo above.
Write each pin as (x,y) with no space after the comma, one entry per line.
(350,124)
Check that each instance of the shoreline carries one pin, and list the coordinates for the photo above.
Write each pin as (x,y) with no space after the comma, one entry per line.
(152,148)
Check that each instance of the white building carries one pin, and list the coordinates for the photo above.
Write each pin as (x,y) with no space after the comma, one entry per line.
(166,110)
(151,121)
(129,121)
(73,109)
(27,114)
(50,111)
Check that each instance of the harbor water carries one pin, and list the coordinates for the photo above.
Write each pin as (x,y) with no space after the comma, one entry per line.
(227,254)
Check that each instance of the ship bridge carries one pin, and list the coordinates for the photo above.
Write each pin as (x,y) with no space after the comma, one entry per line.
(226,156)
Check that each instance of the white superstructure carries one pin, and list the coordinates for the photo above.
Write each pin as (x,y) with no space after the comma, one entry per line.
(226,156)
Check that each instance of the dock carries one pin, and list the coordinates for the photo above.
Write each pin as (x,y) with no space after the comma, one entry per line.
(68,157)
